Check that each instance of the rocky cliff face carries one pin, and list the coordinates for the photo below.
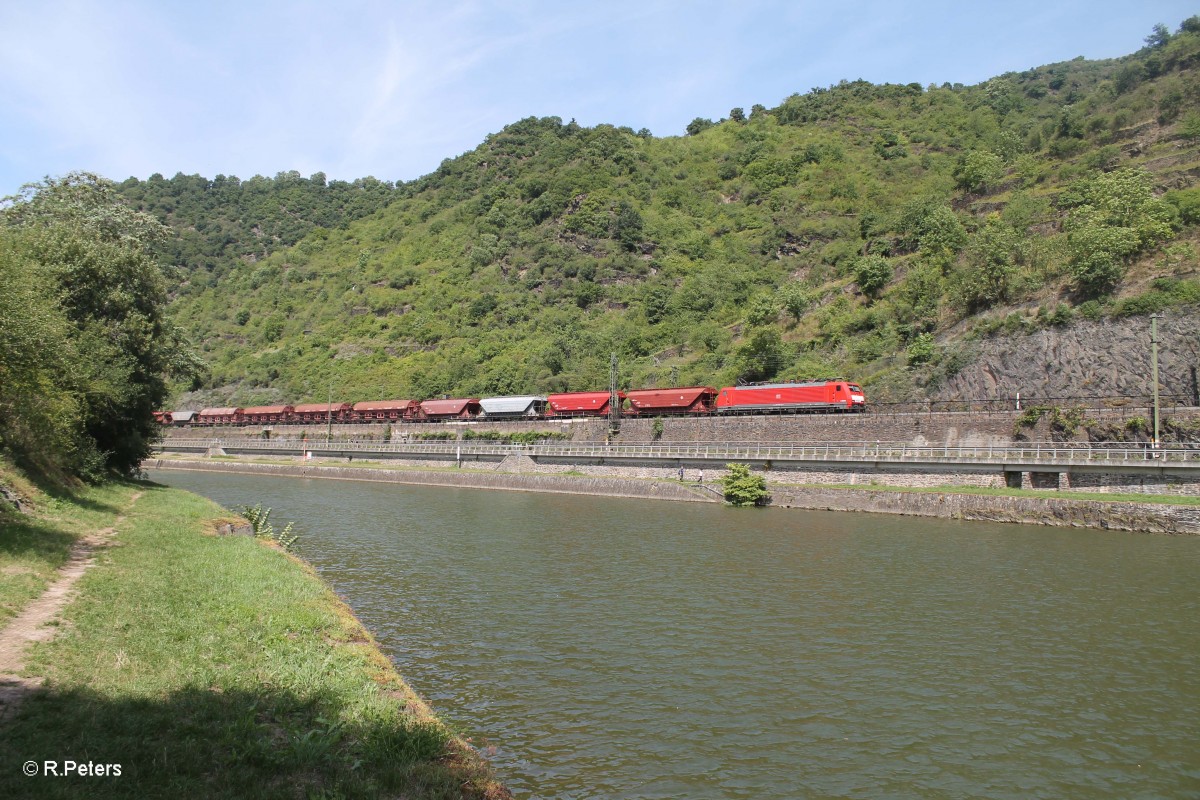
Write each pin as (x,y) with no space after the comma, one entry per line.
(1102,359)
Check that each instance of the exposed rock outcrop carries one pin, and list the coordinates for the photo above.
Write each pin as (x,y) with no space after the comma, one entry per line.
(1105,358)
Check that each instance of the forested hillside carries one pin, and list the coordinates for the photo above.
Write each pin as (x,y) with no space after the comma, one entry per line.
(870,231)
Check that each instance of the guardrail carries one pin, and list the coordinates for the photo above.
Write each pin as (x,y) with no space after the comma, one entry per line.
(1048,453)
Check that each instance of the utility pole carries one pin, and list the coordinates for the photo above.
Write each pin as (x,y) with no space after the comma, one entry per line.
(614,399)
(329,416)
(1154,318)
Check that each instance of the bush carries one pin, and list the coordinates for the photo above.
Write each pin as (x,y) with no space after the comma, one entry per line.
(743,488)
(872,274)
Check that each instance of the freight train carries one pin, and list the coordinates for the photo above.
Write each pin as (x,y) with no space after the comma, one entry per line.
(762,398)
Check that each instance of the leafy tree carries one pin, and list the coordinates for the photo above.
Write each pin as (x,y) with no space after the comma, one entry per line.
(1189,127)
(795,300)
(921,350)
(1186,203)
(737,115)
(40,410)
(97,252)
(1159,36)
(744,488)
(979,170)
(1116,217)
(888,146)
(1098,251)
(762,311)
(761,357)
(872,273)
(697,125)
(992,259)
(920,296)
(941,236)
(627,226)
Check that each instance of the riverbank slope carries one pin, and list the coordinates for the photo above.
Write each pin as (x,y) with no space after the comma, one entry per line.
(202,665)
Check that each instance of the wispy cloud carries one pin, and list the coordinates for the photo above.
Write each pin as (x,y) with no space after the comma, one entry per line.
(133,87)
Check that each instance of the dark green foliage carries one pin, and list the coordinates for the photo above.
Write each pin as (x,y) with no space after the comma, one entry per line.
(744,488)
(1187,204)
(761,357)
(88,348)
(979,170)
(1116,217)
(872,274)
(921,350)
(992,259)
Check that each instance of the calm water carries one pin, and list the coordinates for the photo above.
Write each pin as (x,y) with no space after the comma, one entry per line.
(635,649)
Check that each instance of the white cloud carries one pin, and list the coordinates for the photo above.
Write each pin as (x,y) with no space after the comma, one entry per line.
(135,87)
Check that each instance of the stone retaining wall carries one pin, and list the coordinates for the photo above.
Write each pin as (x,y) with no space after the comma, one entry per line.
(612,487)
(1145,517)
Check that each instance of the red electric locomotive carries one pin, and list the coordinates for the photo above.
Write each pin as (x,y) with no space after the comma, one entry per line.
(790,398)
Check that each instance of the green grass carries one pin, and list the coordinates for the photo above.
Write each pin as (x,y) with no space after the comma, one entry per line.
(33,546)
(1060,494)
(221,667)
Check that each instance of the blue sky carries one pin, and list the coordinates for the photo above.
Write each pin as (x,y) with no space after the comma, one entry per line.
(391,88)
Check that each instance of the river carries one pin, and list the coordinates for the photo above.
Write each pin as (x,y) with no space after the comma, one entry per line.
(611,648)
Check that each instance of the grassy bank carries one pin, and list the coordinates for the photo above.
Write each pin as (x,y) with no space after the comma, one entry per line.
(212,666)
(33,546)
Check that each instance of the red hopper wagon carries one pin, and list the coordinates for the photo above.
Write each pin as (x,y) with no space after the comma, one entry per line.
(660,402)
(580,404)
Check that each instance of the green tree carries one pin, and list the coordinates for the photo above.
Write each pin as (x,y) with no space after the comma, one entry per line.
(40,412)
(762,311)
(1159,36)
(872,274)
(627,226)
(921,350)
(97,251)
(742,487)
(920,297)
(991,261)
(1098,251)
(761,356)
(1116,217)
(795,300)
(979,170)
(941,236)
(697,125)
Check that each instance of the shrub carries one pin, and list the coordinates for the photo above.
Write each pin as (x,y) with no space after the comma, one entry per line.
(743,488)
(872,274)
